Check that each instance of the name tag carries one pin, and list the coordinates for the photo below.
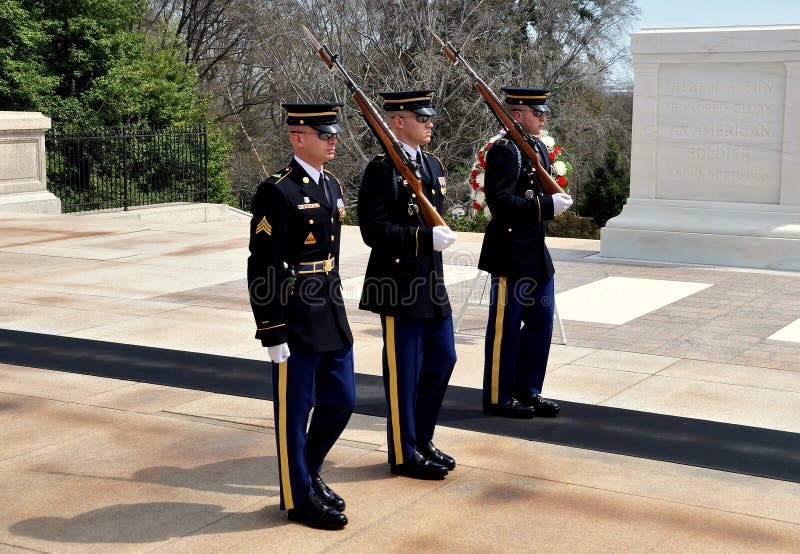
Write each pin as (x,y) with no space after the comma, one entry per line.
(308,206)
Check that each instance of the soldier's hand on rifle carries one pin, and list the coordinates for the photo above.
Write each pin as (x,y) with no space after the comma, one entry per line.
(279,353)
(443,237)
(561,201)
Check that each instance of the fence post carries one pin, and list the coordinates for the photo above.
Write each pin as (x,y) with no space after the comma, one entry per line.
(124,169)
(205,162)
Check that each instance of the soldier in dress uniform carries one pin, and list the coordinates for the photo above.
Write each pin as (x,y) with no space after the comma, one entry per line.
(405,285)
(295,293)
(515,255)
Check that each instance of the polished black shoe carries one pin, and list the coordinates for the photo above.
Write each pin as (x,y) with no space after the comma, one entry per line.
(433,453)
(327,494)
(542,406)
(512,409)
(420,467)
(315,513)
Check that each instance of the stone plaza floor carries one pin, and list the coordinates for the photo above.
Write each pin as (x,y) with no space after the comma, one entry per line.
(134,414)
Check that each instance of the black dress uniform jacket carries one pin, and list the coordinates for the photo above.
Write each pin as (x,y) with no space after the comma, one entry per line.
(404,275)
(294,222)
(513,245)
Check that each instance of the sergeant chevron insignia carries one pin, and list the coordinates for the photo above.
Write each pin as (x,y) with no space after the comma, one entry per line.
(264,226)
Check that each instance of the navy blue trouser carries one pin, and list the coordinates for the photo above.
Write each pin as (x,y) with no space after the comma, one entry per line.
(326,382)
(418,358)
(516,358)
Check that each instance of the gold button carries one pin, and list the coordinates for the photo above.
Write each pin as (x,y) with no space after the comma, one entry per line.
(433,192)
(397,260)
(333,238)
(331,220)
(305,180)
(311,222)
(413,195)
(509,230)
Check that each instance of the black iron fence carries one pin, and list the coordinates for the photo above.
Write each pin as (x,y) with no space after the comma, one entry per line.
(118,168)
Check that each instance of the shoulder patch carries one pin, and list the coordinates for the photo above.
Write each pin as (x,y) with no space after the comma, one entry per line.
(432,155)
(277,177)
(510,144)
(332,174)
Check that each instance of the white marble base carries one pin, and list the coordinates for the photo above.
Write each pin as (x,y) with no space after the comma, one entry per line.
(38,202)
(710,233)
(715,149)
(23,181)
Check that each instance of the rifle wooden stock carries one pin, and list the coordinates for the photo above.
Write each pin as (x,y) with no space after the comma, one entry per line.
(526,143)
(403,163)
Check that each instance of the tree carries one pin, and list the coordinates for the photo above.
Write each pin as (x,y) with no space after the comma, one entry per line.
(25,84)
(259,57)
(86,64)
(606,191)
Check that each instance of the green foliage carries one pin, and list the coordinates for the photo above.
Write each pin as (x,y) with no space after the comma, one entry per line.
(474,223)
(570,225)
(219,187)
(605,192)
(84,64)
(25,83)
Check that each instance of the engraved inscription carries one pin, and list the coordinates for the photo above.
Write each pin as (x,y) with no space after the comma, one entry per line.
(720,130)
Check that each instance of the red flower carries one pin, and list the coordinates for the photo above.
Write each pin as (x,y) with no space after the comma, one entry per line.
(562,181)
(474,173)
(480,156)
(477,206)
(475,185)
(552,156)
(557,150)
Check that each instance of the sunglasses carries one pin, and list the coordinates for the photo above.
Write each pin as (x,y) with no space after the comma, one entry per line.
(418,117)
(536,113)
(322,136)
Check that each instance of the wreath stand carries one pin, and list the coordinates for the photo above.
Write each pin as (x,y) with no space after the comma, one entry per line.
(483,280)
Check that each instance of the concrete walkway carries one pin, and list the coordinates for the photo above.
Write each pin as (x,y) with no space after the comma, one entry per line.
(91,463)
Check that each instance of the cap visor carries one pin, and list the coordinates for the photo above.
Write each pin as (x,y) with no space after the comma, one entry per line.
(328,128)
(425,111)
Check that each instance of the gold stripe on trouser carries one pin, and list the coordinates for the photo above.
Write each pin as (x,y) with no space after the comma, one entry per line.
(283,442)
(498,338)
(391,358)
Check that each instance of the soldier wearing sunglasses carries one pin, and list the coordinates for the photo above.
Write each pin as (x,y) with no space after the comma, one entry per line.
(404,283)
(295,293)
(521,302)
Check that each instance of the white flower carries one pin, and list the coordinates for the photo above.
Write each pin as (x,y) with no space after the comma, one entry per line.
(480,197)
(560,168)
(498,136)
(548,141)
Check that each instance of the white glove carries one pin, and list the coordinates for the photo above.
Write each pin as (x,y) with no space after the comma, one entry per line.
(561,201)
(278,353)
(442,237)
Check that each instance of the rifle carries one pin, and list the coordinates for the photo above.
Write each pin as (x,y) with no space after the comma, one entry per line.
(405,164)
(526,143)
